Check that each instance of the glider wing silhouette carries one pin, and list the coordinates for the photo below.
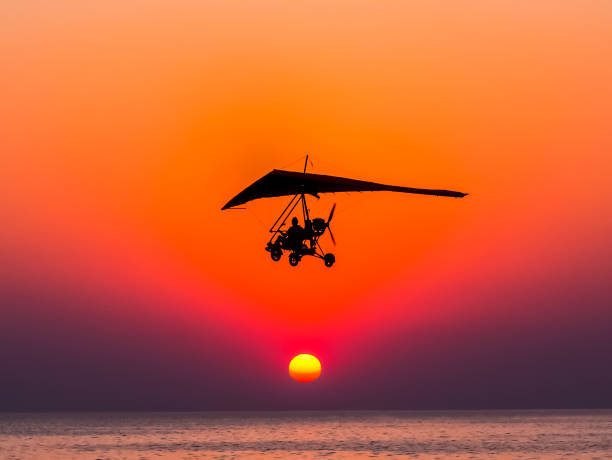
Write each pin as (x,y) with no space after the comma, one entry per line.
(285,183)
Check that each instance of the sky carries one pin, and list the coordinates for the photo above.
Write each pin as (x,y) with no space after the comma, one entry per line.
(125,127)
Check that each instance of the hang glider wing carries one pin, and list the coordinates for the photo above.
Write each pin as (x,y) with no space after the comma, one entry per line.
(283,183)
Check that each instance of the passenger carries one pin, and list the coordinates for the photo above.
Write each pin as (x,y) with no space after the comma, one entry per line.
(295,235)
(309,233)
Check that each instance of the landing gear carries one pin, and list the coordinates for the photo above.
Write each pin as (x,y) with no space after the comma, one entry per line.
(329,259)
(276,254)
(294,259)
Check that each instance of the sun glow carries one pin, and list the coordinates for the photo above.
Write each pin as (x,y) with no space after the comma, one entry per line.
(305,368)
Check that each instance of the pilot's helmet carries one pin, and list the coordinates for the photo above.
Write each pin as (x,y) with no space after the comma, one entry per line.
(294,221)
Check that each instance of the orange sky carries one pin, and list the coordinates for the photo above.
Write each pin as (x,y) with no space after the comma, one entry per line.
(126,126)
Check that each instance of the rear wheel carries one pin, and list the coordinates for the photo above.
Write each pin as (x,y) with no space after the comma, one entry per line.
(293,259)
(276,254)
(329,259)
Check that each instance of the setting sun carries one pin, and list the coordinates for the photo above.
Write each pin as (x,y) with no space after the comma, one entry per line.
(305,368)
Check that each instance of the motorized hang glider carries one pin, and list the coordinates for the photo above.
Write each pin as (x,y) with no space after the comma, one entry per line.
(299,184)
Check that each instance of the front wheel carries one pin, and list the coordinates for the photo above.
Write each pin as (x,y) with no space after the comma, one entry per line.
(293,259)
(329,259)
(276,254)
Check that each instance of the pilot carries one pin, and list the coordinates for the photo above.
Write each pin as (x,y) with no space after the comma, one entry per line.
(295,234)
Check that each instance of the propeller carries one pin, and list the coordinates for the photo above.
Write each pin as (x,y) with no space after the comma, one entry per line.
(331,214)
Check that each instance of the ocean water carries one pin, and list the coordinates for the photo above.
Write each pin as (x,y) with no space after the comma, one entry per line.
(423,435)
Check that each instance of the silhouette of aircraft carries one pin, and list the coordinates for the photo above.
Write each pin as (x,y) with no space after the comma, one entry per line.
(304,241)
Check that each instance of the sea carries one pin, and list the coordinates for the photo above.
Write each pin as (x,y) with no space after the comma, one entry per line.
(538,434)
